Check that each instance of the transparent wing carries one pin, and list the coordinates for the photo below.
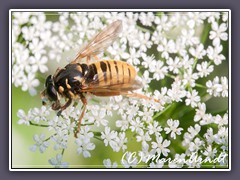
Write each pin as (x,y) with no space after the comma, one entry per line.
(101,41)
(99,85)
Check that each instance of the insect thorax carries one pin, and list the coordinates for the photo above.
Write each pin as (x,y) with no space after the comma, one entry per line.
(68,80)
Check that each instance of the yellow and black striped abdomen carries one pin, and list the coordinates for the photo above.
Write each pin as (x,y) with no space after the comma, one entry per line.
(111,72)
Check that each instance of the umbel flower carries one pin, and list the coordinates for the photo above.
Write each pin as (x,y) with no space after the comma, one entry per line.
(176,55)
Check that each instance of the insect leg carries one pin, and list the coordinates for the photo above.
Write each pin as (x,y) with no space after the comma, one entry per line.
(128,94)
(95,57)
(64,106)
(84,101)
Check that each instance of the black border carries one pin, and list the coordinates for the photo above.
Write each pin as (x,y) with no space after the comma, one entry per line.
(4,91)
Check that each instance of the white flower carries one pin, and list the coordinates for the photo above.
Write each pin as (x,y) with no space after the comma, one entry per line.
(189,77)
(121,140)
(204,69)
(136,125)
(188,37)
(213,53)
(134,56)
(85,133)
(222,137)
(200,112)
(41,143)
(144,41)
(198,52)
(192,98)
(225,16)
(158,69)
(192,132)
(163,23)
(173,128)
(174,65)
(166,47)
(177,92)
(123,123)
(57,163)
(99,117)
(160,146)
(108,164)
(221,120)
(29,83)
(40,114)
(210,152)
(218,33)
(38,63)
(209,136)
(187,62)
(213,16)
(145,79)
(196,145)
(214,88)
(154,128)
(24,119)
(147,60)
(60,139)
(146,18)
(195,19)
(21,17)
(37,46)
(146,115)
(224,84)
(84,146)
(109,137)
(143,137)
(207,119)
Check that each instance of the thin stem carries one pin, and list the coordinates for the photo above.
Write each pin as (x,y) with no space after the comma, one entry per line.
(50,137)
(200,85)
(171,76)
(160,113)
(87,124)
(144,29)
(39,125)
(205,33)
(63,152)
(97,138)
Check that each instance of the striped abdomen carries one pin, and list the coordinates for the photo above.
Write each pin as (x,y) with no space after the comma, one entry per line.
(110,72)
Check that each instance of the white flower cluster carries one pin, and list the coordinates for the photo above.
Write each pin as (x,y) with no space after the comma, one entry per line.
(174,57)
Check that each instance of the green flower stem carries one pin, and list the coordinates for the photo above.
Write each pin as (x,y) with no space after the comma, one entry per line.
(195,62)
(96,133)
(205,33)
(63,152)
(200,86)
(171,76)
(87,124)
(160,113)
(98,138)
(145,29)
(50,137)
(220,112)
(39,125)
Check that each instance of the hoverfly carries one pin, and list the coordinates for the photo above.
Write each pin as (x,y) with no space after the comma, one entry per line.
(100,78)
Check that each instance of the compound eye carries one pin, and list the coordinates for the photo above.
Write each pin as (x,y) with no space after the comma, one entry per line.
(52,93)
(48,80)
